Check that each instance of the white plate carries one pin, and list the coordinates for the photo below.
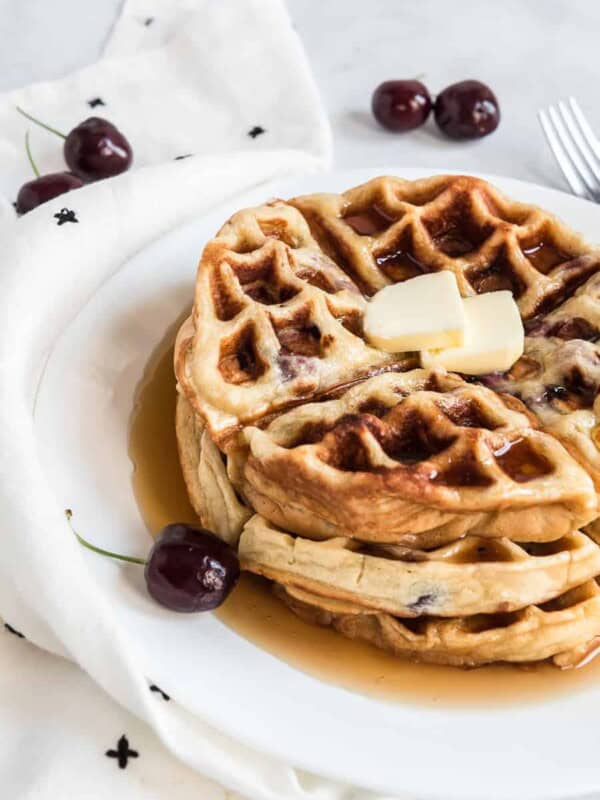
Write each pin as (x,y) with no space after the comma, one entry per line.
(546,750)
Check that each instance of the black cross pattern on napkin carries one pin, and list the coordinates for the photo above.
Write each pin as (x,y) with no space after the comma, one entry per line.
(164,695)
(123,752)
(65,215)
(148,21)
(257,130)
(96,101)
(14,631)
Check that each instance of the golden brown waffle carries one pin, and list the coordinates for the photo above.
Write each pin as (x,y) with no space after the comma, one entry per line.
(564,629)
(275,321)
(210,491)
(526,635)
(558,376)
(332,439)
(389,229)
(470,576)
(559,380)
(418,458)
(577,317)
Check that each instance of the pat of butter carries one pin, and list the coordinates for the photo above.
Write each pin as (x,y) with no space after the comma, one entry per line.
(494,337)
(421,313)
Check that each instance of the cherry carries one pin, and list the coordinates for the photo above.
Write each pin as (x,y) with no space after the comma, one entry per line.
(188,568)
(94,149)
(43,187)
(33,193)
(401,105)
(467,110)
(191,569)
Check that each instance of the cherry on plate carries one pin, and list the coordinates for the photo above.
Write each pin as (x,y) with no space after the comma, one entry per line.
(467,110)
(401,105)
(39,190)
(97,149)
(190,569)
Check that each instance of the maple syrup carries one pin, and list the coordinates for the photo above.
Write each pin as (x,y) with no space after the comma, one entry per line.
(521,462)
(369,222)
(499,275)
(252,611)
(400,264)
(544,256)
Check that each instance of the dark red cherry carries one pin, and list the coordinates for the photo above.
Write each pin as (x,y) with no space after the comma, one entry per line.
(96,149)
(46,187)
(43,187)
(401,105)
(467,110)
(190,569)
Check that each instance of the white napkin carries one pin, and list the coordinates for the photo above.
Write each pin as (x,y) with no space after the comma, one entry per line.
(184,77)
(205,74)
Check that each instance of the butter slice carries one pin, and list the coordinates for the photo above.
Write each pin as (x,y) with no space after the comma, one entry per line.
(494,337)
(419,314)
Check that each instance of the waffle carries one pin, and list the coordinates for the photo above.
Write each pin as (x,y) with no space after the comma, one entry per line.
(428,514)
(417,458)
(389,229)
(281,289)
(559,379)
(565,629)
(471,576)
(275,321)
(210,491)
(577,317)
(528,634)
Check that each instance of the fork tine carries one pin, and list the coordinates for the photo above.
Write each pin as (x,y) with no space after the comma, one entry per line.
(570,147)
(583,148)
(562,157)
(585,127)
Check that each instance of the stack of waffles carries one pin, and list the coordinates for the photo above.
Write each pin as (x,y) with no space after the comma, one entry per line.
(444,518)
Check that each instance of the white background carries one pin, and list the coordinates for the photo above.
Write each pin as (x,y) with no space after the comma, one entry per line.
(531,52)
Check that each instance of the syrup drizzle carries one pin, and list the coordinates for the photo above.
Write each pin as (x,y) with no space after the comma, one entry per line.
(370,221)
(400,265)
(253,612)
(544,256)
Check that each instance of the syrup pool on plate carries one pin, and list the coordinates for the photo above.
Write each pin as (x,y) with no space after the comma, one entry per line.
(253,612)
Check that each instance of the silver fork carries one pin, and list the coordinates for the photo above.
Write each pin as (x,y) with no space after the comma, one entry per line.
(575,147)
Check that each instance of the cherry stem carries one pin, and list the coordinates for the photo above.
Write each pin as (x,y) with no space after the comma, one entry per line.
(109,553)
(36,171)
(41,124)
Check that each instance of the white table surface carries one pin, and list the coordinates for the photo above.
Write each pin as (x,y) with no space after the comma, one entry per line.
(531,53)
